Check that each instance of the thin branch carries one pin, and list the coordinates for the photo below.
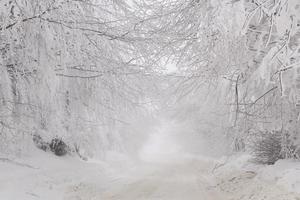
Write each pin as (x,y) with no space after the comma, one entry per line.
(259,98)
(270,31)
(237,99)
(77,76)
(100,33)
(50,8)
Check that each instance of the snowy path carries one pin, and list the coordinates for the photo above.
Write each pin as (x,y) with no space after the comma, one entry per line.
(164,173)
(75,180)
(183,178)
(168,170)
(165,181)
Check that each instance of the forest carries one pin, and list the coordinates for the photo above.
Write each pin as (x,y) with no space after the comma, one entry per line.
(203,95)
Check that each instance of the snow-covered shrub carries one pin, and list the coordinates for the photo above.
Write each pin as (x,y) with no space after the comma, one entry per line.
(40,143)
(272,146)
(58,147)
(267,148)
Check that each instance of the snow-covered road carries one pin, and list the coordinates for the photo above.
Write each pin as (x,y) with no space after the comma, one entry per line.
(182,178)
(168,169)
(173,180)
(71,179)
(163,171)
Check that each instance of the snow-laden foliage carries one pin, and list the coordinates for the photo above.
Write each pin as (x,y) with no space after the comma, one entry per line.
(68,69)
(82,70)
(268,94)
(249,49)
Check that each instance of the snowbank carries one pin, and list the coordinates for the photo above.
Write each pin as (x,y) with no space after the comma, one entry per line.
(46,176)
(239,178)
(285,173)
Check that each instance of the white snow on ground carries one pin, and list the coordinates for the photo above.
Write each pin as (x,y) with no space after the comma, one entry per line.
(285,173)
(239,178)
(49,177)
(172,180)
(168,171)
(46,176)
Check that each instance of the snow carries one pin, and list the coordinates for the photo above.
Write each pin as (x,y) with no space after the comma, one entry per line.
(239,178)
(45,176)
(167,170)
(284,173)
(186,177)
(98,74)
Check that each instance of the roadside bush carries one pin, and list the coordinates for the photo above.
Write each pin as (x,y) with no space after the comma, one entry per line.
(58,147)
(269,147)
(40,143)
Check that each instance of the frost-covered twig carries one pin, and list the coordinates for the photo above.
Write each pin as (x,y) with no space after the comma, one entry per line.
(270,31)
(49,9)
(259,98)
